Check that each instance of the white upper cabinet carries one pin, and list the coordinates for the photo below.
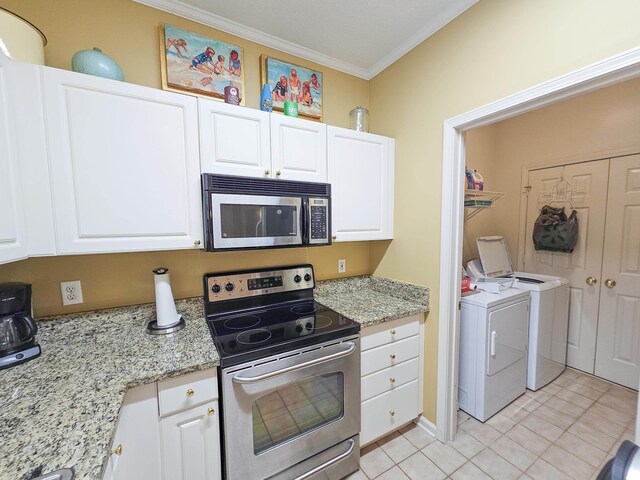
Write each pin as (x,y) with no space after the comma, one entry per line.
(298,149)
(124,165)
(361,173)
(13,244)
(234,140)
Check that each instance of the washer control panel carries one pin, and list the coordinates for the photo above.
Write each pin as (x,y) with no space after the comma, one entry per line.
(248,284)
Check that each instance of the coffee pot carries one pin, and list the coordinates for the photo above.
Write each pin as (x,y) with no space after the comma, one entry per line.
(17,327)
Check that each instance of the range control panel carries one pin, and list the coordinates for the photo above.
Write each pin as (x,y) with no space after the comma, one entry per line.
(248,284)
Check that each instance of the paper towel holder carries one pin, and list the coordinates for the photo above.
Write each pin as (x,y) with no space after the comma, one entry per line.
(165,306)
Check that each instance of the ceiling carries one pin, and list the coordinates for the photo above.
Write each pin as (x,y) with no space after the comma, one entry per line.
(359,37)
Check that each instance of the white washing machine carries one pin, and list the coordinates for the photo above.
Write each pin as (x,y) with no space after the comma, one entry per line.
(494,329)
(549,316)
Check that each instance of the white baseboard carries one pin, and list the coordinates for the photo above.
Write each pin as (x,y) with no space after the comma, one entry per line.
(423,422)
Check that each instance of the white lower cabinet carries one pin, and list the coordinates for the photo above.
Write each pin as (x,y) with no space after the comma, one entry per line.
(191,444)
(168,430)
(391,371)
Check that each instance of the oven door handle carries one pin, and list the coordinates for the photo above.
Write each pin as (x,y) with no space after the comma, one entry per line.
(347,348)
(328,463)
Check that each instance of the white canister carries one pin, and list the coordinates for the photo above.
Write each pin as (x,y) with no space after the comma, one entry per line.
(166,314)
(21,40)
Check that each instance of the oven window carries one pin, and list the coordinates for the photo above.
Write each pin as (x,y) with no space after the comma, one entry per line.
(253,221)
(297,408)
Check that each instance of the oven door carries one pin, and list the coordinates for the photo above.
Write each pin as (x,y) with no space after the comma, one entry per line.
(252,221)
(282,410)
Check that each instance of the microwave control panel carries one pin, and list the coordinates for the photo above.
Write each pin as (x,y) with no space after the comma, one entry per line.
(318,220)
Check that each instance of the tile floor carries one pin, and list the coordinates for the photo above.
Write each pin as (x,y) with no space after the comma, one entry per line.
(568,429)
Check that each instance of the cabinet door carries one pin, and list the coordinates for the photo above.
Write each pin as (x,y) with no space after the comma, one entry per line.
(124,165)
(361,173)
(136,444)
(191,444)
(12,230)
(298,149)
(233,140)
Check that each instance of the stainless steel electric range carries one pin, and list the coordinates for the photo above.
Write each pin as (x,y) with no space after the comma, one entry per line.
(289,376)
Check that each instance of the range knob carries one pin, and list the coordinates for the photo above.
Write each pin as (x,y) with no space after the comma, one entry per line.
(216,288)
(297,279)
(308,326)
(298,328)
(307,277)
(229,287)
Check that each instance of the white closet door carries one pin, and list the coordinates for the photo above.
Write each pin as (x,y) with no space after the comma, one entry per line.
(589,193)
(618,348)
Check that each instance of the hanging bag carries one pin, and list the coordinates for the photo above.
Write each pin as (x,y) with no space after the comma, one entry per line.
(554,232)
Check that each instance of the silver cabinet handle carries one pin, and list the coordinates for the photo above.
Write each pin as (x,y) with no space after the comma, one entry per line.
(342,352)
(328,463)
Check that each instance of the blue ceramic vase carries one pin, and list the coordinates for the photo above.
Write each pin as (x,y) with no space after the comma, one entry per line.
(94,62)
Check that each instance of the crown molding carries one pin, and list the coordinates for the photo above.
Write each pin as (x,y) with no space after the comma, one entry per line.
(420,36)
(203,17)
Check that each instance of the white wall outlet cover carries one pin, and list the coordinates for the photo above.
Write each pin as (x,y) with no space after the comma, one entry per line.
(342,265)
(71,292)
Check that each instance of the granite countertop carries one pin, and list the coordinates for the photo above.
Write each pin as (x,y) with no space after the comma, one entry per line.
(372,300)
(60,410)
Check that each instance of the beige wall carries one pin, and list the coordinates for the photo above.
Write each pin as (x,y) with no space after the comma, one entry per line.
(128,32)
(494,49)
(597,125)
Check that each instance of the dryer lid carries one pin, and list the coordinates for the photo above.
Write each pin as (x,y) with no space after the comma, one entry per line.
(494,256)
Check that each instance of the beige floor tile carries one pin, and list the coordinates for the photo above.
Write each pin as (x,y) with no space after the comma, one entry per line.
(581,449)
(528,439)
(484,433)
(628,435)
(397,447)
(575,398)
(513,453)
(357,476)
(602,424)
(554,417)
(501,423)
(524,476)
(542,427)
(419,467)
(463,416)
(568,463)
(393,474)
(592,382)
(621,417)
(417,435)
(538,395)
(562,381)
(469,472)
(551,389)
(373,461)
(467,445)
(585,391)
(564,407)
(542,470)
(446,458)
(514,412)
(572,374)
(594,437)
(495,466)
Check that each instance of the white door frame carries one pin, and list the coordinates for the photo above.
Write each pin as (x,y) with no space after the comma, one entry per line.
(615,69)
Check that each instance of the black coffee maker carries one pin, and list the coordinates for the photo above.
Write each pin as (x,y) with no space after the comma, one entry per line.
(17,328)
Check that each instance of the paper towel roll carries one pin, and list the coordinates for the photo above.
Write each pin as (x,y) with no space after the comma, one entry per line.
(166,314)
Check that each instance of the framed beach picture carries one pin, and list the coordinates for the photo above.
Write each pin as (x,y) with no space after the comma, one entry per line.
(290,82)
(198,64)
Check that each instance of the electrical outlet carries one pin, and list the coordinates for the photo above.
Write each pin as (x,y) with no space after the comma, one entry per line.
(342,265)
(71,292)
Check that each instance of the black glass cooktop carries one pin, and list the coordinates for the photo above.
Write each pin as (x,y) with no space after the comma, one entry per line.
(258,333)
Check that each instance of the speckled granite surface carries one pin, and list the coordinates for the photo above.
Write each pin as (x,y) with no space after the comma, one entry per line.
(60,410)
(372,300)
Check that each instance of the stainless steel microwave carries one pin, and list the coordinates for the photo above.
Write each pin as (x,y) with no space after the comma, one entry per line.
(246,212)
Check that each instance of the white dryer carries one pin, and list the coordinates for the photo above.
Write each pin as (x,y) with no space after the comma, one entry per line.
(493,351)
(549,316)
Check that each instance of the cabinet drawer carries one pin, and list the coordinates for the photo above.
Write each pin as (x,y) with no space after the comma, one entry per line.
(182,392)
(388,412)
(389,355)
(389,332)
(389,379)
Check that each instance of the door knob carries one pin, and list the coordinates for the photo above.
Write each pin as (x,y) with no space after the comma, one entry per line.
(190,392)
(591,281)
(609,283)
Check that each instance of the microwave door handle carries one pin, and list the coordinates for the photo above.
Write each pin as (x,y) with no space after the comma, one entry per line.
(305,214)
(346,348)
